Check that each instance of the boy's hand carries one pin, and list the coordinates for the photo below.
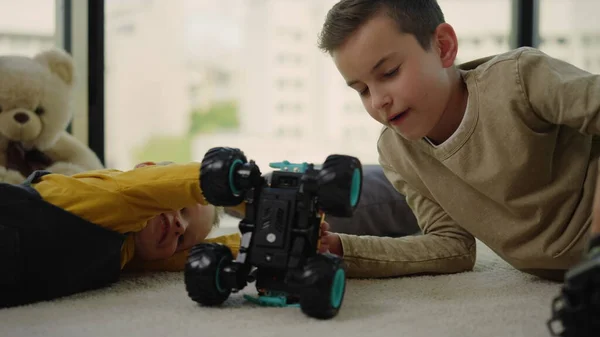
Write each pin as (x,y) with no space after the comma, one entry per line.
(330,242)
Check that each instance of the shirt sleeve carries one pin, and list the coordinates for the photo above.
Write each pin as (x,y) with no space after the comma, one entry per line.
(559,92)
(152,190)
(178,260)
(124,201)
(161,188)
(444,247)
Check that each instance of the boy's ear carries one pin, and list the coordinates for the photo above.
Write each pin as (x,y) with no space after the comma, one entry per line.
(146,163)
(446,44)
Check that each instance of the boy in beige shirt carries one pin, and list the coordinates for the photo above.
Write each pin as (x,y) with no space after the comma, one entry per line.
(502,149)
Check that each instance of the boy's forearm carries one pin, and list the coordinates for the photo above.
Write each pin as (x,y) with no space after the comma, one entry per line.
(124,201)
(162,187)
(370,256)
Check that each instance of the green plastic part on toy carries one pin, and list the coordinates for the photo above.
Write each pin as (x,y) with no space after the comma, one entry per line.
(287,166)
(337,291)
(271,300)
(355,187)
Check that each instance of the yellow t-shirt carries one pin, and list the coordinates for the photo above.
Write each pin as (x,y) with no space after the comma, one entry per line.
(123,201)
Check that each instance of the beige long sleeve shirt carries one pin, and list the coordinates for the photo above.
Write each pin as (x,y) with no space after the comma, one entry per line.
(519,174)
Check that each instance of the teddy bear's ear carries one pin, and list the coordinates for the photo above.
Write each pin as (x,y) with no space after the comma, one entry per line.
(59,62)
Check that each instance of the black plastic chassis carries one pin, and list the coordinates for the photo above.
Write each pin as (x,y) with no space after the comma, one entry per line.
(279,233)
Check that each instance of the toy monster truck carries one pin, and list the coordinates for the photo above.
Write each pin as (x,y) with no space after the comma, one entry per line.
(280,232)
(576,311)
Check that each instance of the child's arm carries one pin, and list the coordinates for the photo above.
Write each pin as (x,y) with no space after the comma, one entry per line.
(444,246)
(158,188)
(563,94)
(124,201)
(560,93)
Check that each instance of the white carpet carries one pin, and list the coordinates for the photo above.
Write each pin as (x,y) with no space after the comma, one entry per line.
(492,300)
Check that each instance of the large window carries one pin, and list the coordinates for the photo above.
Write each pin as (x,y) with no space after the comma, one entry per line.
(183,76)
(186,75)
(483,27)
(26,26)
(569,30)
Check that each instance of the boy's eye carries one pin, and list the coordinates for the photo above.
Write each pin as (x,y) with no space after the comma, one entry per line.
(391,72)
(180,240)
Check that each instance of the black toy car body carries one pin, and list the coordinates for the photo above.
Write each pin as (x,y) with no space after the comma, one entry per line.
(280,232)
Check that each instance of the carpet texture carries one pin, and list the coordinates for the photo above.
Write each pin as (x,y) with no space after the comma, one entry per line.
(492,300)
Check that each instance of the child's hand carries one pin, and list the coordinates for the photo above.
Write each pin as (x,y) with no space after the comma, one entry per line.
(330,242)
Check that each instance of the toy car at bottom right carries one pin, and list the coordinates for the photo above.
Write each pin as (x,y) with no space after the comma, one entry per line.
(576,310)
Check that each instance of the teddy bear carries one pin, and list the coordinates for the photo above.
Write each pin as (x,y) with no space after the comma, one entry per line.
(35,110)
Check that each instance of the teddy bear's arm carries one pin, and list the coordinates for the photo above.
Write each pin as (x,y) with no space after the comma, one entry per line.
(10,176)
(70,156)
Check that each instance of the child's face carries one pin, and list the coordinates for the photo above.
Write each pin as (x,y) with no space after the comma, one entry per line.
(400,84)
(170,232)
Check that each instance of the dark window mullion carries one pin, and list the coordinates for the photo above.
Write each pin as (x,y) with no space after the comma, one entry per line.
(525,23)
(67,24)
(96,77)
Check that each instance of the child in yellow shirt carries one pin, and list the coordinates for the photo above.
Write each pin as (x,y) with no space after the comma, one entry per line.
(65,234)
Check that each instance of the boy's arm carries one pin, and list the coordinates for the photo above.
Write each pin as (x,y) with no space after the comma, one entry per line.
(148,191)
(124,201)
(165,188)
(159,188)
(559,92)
(563,94)
(444,247)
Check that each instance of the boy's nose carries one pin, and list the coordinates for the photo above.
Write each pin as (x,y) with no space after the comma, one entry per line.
(180,225)
(380,101)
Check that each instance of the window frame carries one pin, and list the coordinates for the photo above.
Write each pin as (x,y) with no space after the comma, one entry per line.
(80,32)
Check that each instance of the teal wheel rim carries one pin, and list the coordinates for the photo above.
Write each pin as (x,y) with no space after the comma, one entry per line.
(355,187)
(337,288)
(232,168)
(217,278)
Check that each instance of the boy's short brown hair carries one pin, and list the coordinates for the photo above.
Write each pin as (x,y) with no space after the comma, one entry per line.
(417,17)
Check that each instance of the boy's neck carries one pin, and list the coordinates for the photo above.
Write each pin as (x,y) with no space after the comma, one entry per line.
(454,112)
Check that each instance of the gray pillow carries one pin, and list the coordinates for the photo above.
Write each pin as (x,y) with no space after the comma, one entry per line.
(381,210)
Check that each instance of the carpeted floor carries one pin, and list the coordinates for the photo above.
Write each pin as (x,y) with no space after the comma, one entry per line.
(493,300)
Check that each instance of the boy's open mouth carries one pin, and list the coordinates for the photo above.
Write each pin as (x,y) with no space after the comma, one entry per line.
(399,116)
(164,225)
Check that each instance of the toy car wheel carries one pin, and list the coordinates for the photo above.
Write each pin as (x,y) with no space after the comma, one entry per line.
(217,176)
(576,308)
(340,185)
(202,270)
(325,280)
